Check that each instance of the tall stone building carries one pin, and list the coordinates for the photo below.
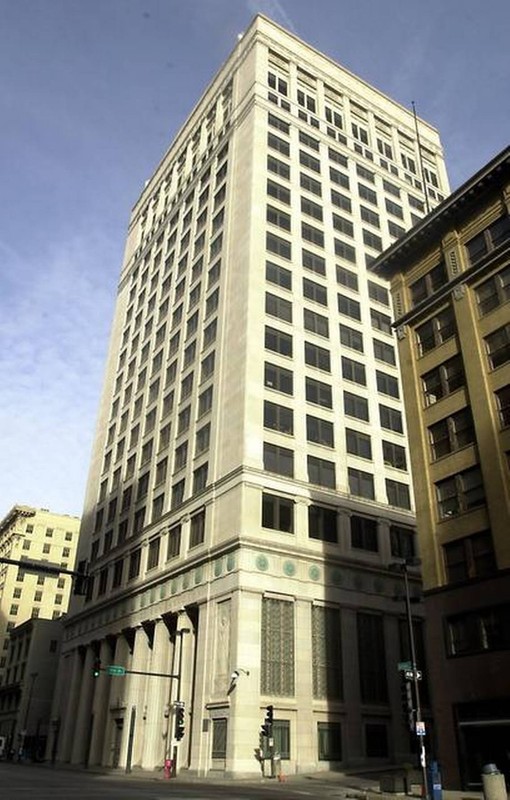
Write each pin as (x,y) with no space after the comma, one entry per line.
(451,285)
(249,483)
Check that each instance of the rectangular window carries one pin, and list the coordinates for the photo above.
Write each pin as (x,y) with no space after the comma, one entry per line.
(349,307)
(174,542)
(278,341)
(428,284)
(343,225)
(461,492)
(347,278)
(384,352)
(322,524)
(345,251)
(319,431)
(278,144)
(318,357)
(351,338)
(278,418)
(436,331)
(321,472)
(278,275)
(380,321)
(316,323)
(443,380)
(153,553)
(503,401)
(219,738)
(311,209)
(277,648)
(279,218)
(378,293)
(310,184)
(277,513)
(364,533)
(372,658)
(354,371)
(402,542)
(494,291)
(390,418)
(361,483)
(278,307)
(315,291)
(326,653)
(486,241)
(329,741)
(398,494)
(498,346)
(281,247)
(387,384)
(279,192)
(278,378)
(470,557)
(312,234)
(314,262)
(341,201)
(318,393)
(279,460)
(339,178)
(394,455)
(278,167)
(358,444)
(452,433)
(367,194)
(200,478)
(309,161)
(135,559)
(356,406)
(479,631)
(370,239)
(197,529)
(370,216)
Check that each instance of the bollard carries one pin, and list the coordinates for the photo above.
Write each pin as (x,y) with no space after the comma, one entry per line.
(493,783)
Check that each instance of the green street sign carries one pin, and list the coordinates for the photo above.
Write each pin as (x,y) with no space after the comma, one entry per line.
(403,666)
(114,670)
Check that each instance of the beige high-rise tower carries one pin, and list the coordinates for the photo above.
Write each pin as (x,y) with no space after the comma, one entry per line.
(249,482)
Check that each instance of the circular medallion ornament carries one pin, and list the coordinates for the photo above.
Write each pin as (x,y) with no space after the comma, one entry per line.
(314,573)
(289,568)
(262,563)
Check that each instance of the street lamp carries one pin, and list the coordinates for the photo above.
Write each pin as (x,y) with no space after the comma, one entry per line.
(403,568)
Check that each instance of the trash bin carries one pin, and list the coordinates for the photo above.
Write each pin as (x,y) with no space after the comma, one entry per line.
(493,783)
(434,781)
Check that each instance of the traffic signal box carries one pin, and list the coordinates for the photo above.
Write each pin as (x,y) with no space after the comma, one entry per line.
(266,729)
(96,668)
(407,700)
(179,722)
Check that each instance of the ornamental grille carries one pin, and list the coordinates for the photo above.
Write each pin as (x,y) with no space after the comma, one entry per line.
(277,652)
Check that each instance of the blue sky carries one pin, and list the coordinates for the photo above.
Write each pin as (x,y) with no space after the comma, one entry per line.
(91,94)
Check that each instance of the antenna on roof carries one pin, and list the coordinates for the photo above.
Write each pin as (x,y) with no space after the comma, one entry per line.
(418,140)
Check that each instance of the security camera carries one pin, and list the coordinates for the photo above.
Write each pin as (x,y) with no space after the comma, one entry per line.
(234,675)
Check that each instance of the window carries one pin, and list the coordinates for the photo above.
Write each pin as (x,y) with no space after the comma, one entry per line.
(339,178)
(479,630)
(312,234)
(370,216)
(461,492)
(278,378)
(318,357)
(277,122)
(443,380)
(311,209)
(387,384)
(349,307)
(314,262)
(278,307)
(384,352)
(343,225)
(356,406)
(153,553)
(174,542)
(364,533)
(390,418)
(279,192)
(321,472)
(219,738)
(367,194)
(326,653)
(358,444)
(316,323)
(354,371)
(117,573)
(376,740)
(329,741)
(309,161)
(278,418)
(494,235)
(498,346)
(319,431)
(345,251)
(378,293)
(278,459)
(46,548)
(372,658)
(278,167)
(402,542)
(494,291)
(310,184)
(138,521)
(452,433)
(380,322)
(436,330)
(280,145)
(277,648)
(278,341)
(398,494)
(318,393)
(347,278)
(341,201)
(281,247)
(277,513)
(361,483)
(394,208)
(197,529)
(351,338)
(322,524)
(371,239)
(425,286)
(279,218)
(394,455)
(315,291)
(14,609)
(469,557)
(178,493)
(103,581)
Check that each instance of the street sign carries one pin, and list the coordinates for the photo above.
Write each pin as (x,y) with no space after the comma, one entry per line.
(410,675)
(420,729)
(404,665)
(113,669)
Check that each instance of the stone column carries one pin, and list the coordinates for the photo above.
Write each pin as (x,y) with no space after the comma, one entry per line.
(134,694)
(100,707)
(116,703)
(210,680)
(156,699)
(351,739)
(343,529)
(67,709)
(81,737)
(305,752)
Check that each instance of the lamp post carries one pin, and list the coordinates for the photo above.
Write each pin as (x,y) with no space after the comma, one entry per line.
(403,568)
(33,678)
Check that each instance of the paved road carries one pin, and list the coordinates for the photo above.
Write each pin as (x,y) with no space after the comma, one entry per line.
(36,782)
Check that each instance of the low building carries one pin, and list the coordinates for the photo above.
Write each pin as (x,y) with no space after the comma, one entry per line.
(25,698)
(450,281)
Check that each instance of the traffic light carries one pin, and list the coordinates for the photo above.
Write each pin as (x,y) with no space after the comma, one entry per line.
(96,668)
(269,715)
(406,695)
(179,722)
(267,728)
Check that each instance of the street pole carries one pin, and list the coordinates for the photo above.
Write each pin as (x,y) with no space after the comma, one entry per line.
(416,683)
